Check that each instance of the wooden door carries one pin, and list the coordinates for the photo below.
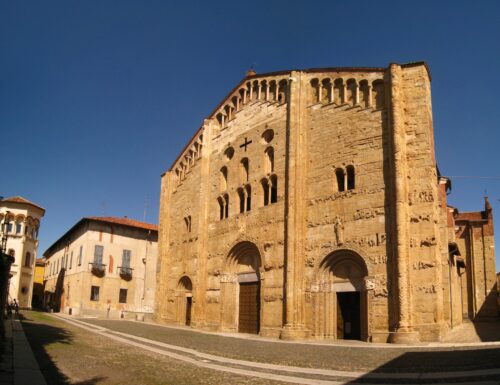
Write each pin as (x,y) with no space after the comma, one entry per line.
(189,302)
(249,308)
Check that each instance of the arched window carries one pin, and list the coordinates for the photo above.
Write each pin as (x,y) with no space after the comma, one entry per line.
(265,191)
(269,160)
(339,173)
(244,167)
(223,206)
(241,196)
(350,177)
(378,94)
(274,188)
(226,202)
(223,178)
(248,192)
(27,259)
(187,221)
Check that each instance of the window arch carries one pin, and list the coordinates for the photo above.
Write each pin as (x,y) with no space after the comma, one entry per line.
(223,206)
(265,191)
(248,192)
(274,188)
(339,174)
(27,259)
(269,160)
(245,198)
(244,169)
(187,221)
(223,178)
(350,177)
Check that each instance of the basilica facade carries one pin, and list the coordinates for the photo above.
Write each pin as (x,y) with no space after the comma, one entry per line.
(309,205)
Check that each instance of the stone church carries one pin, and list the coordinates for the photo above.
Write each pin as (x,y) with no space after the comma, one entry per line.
(309,205)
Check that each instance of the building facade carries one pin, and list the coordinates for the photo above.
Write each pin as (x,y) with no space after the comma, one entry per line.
(103,266)
(21,222)
(38,281)
(309,205)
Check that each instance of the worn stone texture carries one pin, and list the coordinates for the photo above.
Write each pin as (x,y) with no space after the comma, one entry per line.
(358,207)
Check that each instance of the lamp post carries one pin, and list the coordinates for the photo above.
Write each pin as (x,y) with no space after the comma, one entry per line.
(5,229)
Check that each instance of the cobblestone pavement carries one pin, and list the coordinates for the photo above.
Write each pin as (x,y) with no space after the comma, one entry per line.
(309,363)
(69,355)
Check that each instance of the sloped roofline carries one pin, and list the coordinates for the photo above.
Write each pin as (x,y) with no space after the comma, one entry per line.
(110,220)
(21,200)
(277,73)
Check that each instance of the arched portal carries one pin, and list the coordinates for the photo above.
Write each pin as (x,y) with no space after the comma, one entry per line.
(240,289)
(184,295)
(340,297)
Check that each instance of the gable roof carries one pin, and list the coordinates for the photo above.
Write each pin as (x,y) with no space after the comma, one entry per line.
(125,222)
(109,220)
(19,199)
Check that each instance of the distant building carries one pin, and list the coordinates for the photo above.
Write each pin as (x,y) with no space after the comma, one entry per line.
(101,265)
(23,218)
(37,299)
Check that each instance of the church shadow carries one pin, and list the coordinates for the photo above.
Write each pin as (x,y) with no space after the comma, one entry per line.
(432,367)
(41,335)
(487,322)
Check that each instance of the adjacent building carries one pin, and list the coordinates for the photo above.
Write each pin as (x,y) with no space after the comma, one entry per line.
(38,280)
(309,205)
(20,220)
(103,266)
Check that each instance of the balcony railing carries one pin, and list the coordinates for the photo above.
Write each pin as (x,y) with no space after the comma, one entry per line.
(125,272)
(98,269)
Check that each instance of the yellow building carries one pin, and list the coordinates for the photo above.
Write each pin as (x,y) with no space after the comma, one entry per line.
(37,298)
(104,266)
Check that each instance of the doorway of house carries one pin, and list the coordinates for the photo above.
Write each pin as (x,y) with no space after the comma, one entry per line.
(249,308)
(348,315)
(189,302)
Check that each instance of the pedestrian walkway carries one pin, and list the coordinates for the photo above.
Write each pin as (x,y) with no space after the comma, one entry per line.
(18,364)
(301,363)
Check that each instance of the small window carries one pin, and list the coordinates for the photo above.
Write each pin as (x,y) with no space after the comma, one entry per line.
(244,167)
(187,221)
(350,177)
(269,164)
(94,293)
(98,252)
(241,196)
(27,259)
(9,227)
(80,256)
(339,173)
(71,261)
(18,228)
(274,189)
(223,179)
(248,193)
(123,296)
(265,191)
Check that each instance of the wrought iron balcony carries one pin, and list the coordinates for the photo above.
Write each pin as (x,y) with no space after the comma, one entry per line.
(98,269)
(125,272)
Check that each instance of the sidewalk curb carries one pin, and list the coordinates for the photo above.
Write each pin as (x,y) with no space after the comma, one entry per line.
(26,369)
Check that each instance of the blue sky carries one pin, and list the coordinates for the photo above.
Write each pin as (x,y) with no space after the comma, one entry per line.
(98,97)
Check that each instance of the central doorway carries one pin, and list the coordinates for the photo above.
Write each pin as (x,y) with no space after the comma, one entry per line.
(189,302)
(249,308)
(348,315)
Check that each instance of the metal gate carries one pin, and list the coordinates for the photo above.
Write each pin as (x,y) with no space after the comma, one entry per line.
(249,308)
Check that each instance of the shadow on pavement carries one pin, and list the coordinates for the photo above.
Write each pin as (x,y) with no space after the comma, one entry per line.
(41,335)
(448,361)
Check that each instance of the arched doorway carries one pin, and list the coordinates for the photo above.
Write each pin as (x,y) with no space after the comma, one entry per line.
(340,297)
(184,301)
(240,289)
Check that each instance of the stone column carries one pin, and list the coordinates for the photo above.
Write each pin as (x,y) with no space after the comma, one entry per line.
(295,219)
(404,332)
(162,278)
(203,224)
